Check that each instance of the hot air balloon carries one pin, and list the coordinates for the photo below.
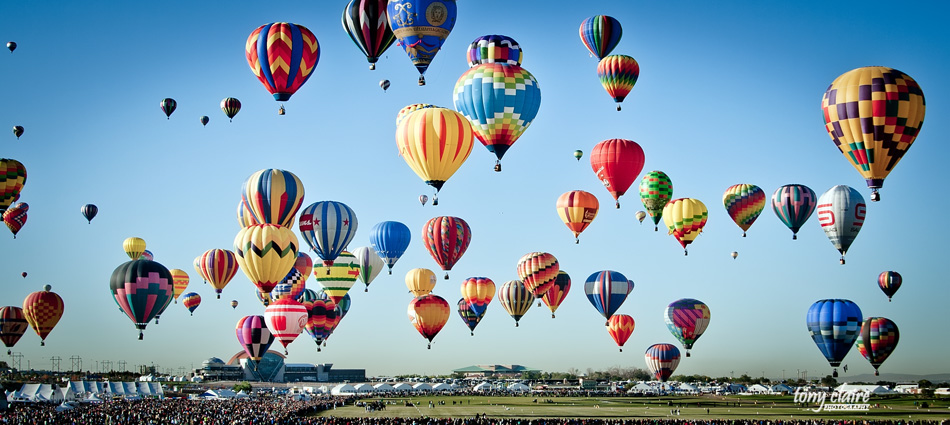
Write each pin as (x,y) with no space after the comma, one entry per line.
(179,282)
(191,301)
(469,316)
(841,212)
(617,162)
(254,337)
(428,315)
(168,106)
(500,101)
(231,106)
(889,282)
(873,114)
(600,34)
(834,325)
(578,154)
(204,120)
(478,293)
(342,276)
(607,290)
(42,310)
(273,196)
(640,215)
(89,211)
(369,264)
(12,179)
(328,227)
(317,317)
(793,204)
(134,247)
(618,74)
(15,217)
(384,84)
(620,327)
(662,360)
(685,219)
(390,240)
(744,203)
(147,255)
(423,199)
(234,304)
(656,190)
(218,266)
(493,48)
(23,274)
(515,298)
(196,263)
(266,252)
(283,56)
(18,131)
(405,111)
(537,271)
(303,264)
(446,239)
(143,289)
(13,325)
(245,217)
(687,319)
(556,294)
(434,142)
(421,26)
(734,254)
(420,281)
(877,340)
(286,318)
(577,210)
(292,285)
(367,25)
(11,45)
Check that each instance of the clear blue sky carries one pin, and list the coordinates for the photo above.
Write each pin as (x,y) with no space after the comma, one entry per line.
(728,93)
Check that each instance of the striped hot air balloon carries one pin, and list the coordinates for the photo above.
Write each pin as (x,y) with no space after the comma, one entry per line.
(390,240)
(685,219)
(515,298)
(469,316)
(282,56)
(687,319)
(557,293)
(134,247)
(577,209)
(744,203)
(434,142)
(328,227)
(478,292)
(420,281)
(272,196)
(343,274)
(366,23)
(620,327)
(607,290)
(600,34)
(889,282)
(841,213)
(191,301)
(618,74)
(254,337)
(286,319)
(13,325)
(662,360)
(179,282)
(446,239)
(369,264)
(218,267)
(537,271)
(230,106)
(428,315)
(266,252)
(834,325)
(794,204)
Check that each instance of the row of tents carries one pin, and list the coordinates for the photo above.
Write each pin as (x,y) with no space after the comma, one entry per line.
(344,389)
(85,391)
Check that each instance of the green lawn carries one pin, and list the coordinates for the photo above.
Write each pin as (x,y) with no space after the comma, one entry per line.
(692,407)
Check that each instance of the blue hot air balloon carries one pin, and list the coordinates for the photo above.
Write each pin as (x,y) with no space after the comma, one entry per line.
(390,240)
(607,290)
(420,27)
(328,227)
(834,324)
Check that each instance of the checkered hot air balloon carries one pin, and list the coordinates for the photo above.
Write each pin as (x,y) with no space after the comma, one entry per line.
(577,209)
(15,217)
(254,337)
(617,163)
(12,179)
(282,56)
(834,325)
(600,34)
(494,49)
(656,190)
(877,340)
(744,203)
(841,213)
(428,315)
(687,319)
(478,292)
(13,325)
(292,285)
(794,204)
(607,290)
(618,74)
(446,239)
(537,271)
(620,327)
(272,196)
(516,299)
(873,115)
(685,219)
(42,310)
(662,360)
(557,293)
(142,289)
(366,23)
(420,27)
(890,282)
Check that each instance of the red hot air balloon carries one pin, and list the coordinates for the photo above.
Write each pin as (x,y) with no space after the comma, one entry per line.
(42,310)
(446,238)
(282,56)
(12,325)
(537,271)
(620,327)
(286,318)
(617,163)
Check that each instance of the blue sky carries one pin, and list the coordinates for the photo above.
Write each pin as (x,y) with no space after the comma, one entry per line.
(728,93)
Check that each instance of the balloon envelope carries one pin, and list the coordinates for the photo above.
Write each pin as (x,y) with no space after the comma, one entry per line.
(168,106)
(435,142)
(889,282)
(744,203)
(13,325)
(12,179)
(877,340)
(617,162)
(142,289)
(515,298)
(537,271)
(191,301)
(499,49)
(620,327)
(687,319)
(273,196)
(286,319)
(446,239)
(420,281)
(685,219)
(15,217)
(600,34)
(794,204)
(89,211)
(366,23)
(369,264)
(428,315)
(134,247)
(662,360)
(656,190)
(618,74)
(477,292)
(834,325)
(841,212)
(342,276)
(254,337)
(557,293)
(328,227)
(390,240)
(42,310)
(577,209)
(607,290)
(282,56)
(179,282)
(421,26)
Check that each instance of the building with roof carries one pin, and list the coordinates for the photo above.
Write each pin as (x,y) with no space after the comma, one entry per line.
(272,368)
(497,370)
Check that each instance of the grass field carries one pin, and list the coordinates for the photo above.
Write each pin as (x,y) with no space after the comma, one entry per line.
(690,407)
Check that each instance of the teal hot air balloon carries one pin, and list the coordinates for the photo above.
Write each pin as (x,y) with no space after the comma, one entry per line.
(168,106)
(834,325)
(841,212)
(794,204)
(420,27)
(142,289)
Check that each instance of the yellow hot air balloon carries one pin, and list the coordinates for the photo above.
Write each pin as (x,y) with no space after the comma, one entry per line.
(134,247)
(179,282)
(873,114)
(266,253)
(340,277)
(434,142)
(577,210)
(420,281)
(685,218)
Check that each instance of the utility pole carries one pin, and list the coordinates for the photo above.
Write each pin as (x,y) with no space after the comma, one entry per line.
(55,361)
(17,360)
(107,365)
(121,365)
(76,363)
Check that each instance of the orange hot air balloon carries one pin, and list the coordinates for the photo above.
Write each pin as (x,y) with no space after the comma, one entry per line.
(556,294)
(617,163)
(179,282)
(577,210)
(620,327)
(428,314)
(42,310)
(478,293)
(434,142)
(537,271)
(420,281)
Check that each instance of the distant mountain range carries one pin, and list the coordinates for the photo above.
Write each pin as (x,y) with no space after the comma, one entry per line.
(900,378)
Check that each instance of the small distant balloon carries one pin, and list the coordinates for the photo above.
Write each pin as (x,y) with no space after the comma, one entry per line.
(889,281)
(234,304)
(204,120)
(578,154)
(423,199)
(11,45)
(734,254)
(384,84)
(641,215)
(168,106)
(89,211)
(231,107)
(18,131)
(23,274)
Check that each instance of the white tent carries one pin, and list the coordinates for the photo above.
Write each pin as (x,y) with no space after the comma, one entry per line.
(422,386)
(343,389)
(402,386)
(642,388)
(39,393)
(442,386)
(383,387)
(518,387)
(92,398)
(241,394)
(757,389)
(484,386)
(873,389)
(364,388)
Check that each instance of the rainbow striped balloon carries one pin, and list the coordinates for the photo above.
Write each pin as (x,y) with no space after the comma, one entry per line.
(744,203)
